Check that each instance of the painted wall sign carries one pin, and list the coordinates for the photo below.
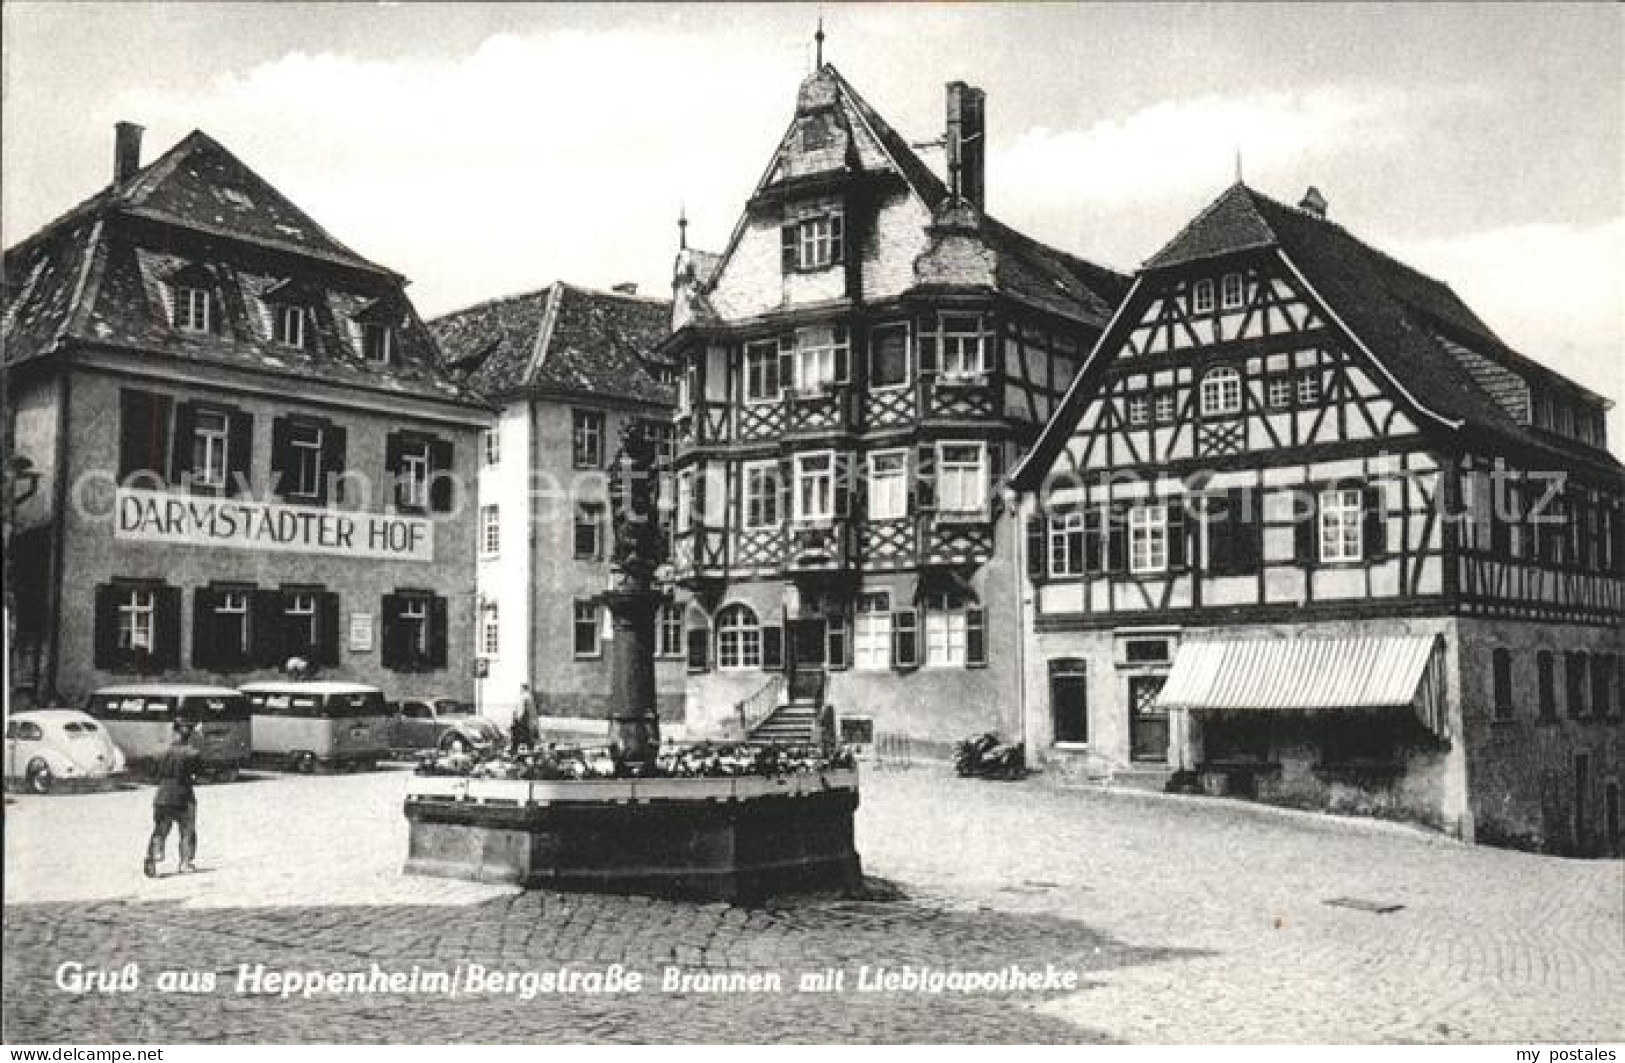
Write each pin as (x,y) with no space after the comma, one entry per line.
(360,632)
(156,517)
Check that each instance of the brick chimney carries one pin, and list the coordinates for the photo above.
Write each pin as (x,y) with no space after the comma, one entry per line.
(126,151)
(1313,202)
(967,143)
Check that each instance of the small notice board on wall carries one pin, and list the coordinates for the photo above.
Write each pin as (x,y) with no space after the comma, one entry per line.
(360,632)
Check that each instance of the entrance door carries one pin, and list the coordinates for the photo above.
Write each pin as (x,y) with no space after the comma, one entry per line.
(1147,724)
(806,643)
(1069,699)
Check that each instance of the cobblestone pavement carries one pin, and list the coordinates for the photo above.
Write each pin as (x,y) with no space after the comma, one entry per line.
(1187,920)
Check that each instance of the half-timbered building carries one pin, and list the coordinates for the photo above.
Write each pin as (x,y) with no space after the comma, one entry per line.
(247,449)
(1306,529)
(859,367)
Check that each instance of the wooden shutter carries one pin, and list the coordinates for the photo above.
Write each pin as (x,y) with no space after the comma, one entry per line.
(772,649)
(166,655)
(1373,513)
(282,462)
(107,656)
(841,470)
(393,445)
(841,336)
(1178,532)
(699,649)
(1092,518)
(787,361)
(1306,528)
(905,639)
(837,641)
(204,652)
(1246,536)
(1116,517)
(266,628)
(143,433)
(1037,547)
(327,629)
(335,442)
(925,477)
(837,236)
(440,471)
(926,345)
(180,466)
(975,638)
(392,652)
(787,247)
(239,452)
(439,632)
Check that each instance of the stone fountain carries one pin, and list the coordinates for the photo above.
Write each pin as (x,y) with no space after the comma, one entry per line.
(733,837)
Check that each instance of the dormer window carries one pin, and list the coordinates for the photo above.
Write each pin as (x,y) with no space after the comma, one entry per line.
(192,308)
(288,325)
(377,342)
(1230,291)
(1202,297)
(813,243)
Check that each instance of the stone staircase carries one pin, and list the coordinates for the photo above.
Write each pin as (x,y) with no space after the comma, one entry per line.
(796,721)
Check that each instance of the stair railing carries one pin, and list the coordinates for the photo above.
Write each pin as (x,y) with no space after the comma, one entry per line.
(754,710)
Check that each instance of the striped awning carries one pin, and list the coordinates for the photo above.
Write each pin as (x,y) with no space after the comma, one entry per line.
(1345,674)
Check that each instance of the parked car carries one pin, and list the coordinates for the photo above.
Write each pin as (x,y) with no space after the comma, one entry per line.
(308,725)
(444,724)
(54,749)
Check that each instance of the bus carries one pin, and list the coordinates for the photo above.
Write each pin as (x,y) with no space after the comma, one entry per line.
(140,718)
(307,724)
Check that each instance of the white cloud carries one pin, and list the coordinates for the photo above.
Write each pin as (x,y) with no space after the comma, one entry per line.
(1553,292)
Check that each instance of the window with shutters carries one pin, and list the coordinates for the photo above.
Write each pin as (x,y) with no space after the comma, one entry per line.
(872,638)
(669,631)
(1221,392)
(377,342)
(230,631)
(1148,539)
(698,637)
(586,627)
(739,639)
(416,630)
(888,356)
(1066,544)
(211,436)
(821,356)
(1574,679)
(288,325)
(303,477)
(300,618)
(961,353)
(1341,525)
(888,484)
(1546,684)
(1501,679)
(144,437)
(137,624)
(818,241)
(413,468)
(490,630)
(946,630)
(193,308)
(587,439)
(588,534)
(414,619)
(815,486)
(762,495)
(490,531)
(1231,291)
(962,479)
(1202,297)
(762,382)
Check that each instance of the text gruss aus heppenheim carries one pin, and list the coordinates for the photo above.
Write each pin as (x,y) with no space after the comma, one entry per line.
(473,979)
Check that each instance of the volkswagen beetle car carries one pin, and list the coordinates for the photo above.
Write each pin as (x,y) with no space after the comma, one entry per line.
(443,724)
(59,749)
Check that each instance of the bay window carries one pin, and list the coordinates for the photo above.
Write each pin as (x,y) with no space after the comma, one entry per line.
(762,382)
(821,357)
(815,486)
(761,495)
(888,485)
(962,354)
(962,478)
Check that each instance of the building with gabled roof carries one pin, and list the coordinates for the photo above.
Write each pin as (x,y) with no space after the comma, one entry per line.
(858,366)
(227,408)
(1306,529)
(570,368)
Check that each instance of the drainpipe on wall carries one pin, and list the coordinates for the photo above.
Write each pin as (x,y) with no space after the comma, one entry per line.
(1017,572)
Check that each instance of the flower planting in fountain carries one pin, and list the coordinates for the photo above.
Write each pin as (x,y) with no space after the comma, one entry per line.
(674,761)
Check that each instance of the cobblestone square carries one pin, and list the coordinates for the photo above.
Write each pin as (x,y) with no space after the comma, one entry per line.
(1186,920)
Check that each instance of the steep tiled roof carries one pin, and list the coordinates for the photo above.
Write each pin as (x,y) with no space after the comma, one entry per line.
(1397,312)
(1026,268)
(561,338)
(97,275)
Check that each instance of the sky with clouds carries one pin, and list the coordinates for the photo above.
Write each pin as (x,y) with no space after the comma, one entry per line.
(483,150)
